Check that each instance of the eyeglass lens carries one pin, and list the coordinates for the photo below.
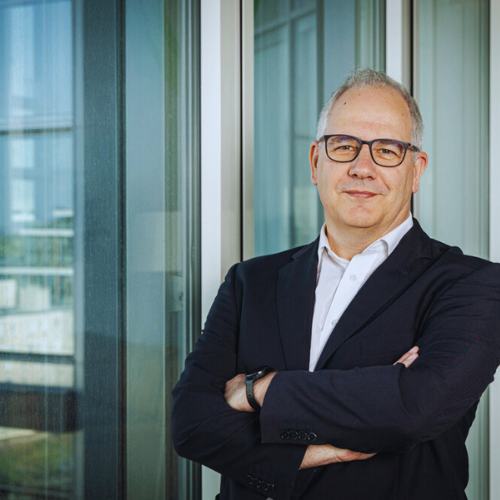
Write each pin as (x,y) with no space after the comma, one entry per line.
(385,152)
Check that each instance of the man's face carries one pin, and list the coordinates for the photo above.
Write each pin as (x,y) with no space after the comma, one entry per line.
(361,195)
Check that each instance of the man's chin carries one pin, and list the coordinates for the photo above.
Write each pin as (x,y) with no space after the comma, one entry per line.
(361,221)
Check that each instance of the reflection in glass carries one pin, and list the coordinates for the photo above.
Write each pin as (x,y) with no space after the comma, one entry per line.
(23,451)
(452,203)
(266,11)
(453,96)
(37,338)
(163,316)
(99,245)
(303,52)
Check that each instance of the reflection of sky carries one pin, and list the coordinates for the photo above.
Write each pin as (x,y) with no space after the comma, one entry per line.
(36,94)
(36,78)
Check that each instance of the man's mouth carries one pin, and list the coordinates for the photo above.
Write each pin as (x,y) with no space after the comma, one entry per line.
(361,194)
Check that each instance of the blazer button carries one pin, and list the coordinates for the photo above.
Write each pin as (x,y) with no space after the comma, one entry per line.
(271,486)
(265,485)
(294,435)
(257,483)
(303,435)
(250,479)
(284,435)
(312,436)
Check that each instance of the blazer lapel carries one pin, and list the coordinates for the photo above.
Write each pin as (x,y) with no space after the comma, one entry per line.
(295,304)
(405,264)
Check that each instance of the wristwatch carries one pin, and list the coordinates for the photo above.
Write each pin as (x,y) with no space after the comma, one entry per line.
(250,379)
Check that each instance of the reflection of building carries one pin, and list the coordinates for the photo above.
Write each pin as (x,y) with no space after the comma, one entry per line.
(8,294)
(50,332)
(37,332)
(35,305)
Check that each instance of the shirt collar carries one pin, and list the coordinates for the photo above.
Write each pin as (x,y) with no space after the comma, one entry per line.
(386,243)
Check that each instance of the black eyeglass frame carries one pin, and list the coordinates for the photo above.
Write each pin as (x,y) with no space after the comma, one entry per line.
(369,143)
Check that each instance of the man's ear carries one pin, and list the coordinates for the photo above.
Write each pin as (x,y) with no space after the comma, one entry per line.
(313,161)
(418,169)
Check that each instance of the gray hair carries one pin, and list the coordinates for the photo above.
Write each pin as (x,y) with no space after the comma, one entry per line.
(370,78)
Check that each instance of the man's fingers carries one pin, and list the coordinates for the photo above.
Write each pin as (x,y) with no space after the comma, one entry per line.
(364,456)
(325,454)
(408,358)
(349,455)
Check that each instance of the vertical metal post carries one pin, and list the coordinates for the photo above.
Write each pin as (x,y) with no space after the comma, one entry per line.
(247,135)
(494,228)
(398,41)
(220,155)
(101,407)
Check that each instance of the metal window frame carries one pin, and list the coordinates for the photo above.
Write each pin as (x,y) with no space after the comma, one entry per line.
(222,132)
(398,40)
(99,292)
(494,391)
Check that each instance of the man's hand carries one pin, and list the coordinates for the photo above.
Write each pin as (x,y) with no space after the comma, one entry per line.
(318,455)
(235,393)
(236,396)
(408,358)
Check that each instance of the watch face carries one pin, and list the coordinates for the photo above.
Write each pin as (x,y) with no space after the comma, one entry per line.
(259,373)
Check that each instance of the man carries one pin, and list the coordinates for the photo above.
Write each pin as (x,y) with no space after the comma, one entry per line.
(337,416)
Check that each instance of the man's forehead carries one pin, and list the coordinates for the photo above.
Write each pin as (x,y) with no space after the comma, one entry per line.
(377,105)
(372,95)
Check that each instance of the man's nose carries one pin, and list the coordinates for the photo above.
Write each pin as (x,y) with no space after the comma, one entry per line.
(363,166)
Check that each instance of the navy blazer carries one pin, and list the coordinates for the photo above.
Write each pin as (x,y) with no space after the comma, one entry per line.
(416,419)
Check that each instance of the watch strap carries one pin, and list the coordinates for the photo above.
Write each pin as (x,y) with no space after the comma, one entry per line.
(250,395)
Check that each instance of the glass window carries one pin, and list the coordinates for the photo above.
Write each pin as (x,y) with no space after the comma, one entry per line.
(452,89)
(163,258)
(38,432)
(452,56)
(303,52)
(99,244)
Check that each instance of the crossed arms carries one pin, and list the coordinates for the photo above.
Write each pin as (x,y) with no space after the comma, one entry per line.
(316,455)
(372,410)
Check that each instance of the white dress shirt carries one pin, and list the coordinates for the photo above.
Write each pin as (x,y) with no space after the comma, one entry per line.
(339,280)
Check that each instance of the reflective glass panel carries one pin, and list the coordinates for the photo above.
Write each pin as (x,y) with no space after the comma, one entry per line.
(452,90)
(162,218)
(452,55)
(99,245)
(303,52)
(38,436)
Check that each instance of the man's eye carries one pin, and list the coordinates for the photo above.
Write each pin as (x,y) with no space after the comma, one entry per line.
(386,152)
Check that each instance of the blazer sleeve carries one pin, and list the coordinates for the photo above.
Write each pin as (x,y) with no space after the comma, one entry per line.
(389,408)
(207,430)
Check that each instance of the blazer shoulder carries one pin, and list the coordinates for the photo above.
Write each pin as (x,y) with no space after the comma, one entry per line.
(464,265)
(272,263)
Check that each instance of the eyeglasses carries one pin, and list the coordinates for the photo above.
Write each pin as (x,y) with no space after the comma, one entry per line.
(384,152)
